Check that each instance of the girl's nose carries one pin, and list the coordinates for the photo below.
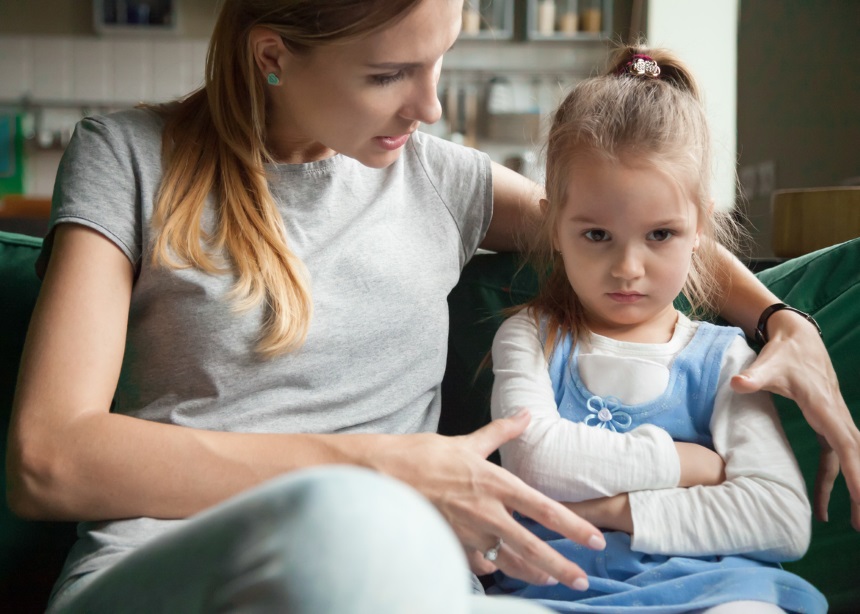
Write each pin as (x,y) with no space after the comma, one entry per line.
(628,264)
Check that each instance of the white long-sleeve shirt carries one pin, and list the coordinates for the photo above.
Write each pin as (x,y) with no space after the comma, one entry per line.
(760,510)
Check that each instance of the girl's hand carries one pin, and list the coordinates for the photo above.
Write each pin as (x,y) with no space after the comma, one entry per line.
(611,513)
(477,499)
(794,363)
(700,466)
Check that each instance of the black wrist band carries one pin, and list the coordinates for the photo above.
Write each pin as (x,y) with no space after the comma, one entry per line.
(761,335)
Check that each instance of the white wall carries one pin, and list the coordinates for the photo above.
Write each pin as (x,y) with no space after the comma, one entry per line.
(705,35)
(70,76)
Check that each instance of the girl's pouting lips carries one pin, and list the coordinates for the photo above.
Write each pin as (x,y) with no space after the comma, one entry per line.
(625,297)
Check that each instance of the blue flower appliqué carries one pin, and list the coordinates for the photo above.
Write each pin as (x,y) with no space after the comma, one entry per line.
(606,415)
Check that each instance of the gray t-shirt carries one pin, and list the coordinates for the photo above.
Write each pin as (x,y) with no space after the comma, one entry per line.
(383,247)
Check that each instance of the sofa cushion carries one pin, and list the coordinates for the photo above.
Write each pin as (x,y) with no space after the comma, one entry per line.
(826,284)
(31,553)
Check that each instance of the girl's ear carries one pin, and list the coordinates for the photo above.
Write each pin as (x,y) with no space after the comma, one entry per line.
(270,53)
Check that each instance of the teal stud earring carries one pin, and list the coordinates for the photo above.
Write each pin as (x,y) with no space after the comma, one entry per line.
(272,78)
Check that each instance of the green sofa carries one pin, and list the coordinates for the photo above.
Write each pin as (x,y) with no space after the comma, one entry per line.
(825,283)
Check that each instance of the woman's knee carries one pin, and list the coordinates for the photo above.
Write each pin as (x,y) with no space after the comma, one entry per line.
(333,536)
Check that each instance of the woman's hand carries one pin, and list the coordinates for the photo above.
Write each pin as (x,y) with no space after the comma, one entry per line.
(477,499)
(794,363)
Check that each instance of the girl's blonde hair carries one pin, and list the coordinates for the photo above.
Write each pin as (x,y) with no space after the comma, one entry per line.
(621,116)
(214,144)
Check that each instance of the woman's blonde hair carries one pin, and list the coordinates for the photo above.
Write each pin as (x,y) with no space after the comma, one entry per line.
(621,116)
(214,144)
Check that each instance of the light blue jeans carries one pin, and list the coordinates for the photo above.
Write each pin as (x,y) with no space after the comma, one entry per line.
(337,540)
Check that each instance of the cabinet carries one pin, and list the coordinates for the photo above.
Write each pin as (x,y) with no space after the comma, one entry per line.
(488,19)
(568,19)
(134,16)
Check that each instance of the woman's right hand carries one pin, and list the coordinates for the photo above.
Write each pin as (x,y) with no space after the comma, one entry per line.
(477,499)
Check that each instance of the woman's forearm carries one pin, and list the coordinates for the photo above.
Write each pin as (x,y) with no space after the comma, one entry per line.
(745,296)
(103,466)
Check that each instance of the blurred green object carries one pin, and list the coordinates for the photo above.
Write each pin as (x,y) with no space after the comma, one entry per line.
(11,154)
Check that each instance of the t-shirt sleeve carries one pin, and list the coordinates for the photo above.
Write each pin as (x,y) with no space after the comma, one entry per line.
(98,184)
(463,179)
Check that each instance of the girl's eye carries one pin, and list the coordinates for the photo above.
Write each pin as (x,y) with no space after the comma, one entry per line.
(596,235)
(387,79)
(660,235)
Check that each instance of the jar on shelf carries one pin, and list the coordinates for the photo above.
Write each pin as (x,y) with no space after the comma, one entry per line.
(568,16)
(471,18)
(591,16)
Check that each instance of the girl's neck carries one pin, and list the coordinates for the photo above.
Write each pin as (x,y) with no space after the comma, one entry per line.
(658,329)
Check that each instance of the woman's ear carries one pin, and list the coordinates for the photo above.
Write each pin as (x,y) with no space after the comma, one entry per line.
(269,52)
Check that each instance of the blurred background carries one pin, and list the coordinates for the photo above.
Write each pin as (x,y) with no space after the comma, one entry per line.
(782,90)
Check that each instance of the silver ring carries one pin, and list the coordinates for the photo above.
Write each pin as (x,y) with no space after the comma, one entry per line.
(493,553)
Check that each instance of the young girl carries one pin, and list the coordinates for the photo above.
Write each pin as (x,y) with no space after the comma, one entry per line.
(612,373)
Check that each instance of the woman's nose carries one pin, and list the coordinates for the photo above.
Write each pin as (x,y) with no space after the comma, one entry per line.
(424,105)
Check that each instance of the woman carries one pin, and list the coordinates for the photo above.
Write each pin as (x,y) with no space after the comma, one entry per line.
(268,297)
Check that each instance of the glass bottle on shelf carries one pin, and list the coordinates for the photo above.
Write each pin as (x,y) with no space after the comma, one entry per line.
(546,17)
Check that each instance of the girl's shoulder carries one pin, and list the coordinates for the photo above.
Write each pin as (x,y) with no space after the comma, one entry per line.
(523,322)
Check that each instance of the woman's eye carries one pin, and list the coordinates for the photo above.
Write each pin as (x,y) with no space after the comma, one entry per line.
(660,235)
(388,79)
(596,235)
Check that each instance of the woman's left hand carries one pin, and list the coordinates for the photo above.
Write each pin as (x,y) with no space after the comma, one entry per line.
(794,364)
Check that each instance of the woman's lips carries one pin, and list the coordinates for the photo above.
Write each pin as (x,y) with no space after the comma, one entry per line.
(626,297)
(392,142)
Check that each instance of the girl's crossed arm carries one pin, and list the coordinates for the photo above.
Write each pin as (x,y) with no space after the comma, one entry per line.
(571,461)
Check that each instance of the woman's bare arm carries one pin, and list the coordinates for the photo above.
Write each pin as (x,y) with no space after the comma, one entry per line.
(516,210)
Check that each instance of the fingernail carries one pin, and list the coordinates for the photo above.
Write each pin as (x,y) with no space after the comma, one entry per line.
(550,581)
(522,411)
(580,584)
(596,542)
